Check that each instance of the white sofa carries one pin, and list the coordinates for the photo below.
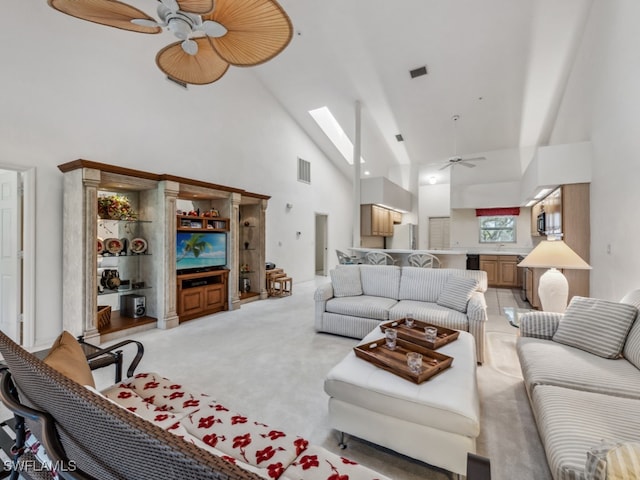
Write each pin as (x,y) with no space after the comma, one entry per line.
(359,297)
(581,371)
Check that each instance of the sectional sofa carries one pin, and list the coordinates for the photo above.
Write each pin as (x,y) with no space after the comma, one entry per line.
(359,297)
(581,371)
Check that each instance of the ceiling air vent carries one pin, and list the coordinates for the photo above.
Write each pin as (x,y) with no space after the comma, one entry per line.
(399,138)
(418,72)
(304,171)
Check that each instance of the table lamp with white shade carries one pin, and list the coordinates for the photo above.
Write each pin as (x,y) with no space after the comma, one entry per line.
(553,288)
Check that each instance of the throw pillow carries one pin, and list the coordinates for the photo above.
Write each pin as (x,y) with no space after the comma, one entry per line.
(346,281)
(67,357)
(613,461)
(596,326)
(457,292)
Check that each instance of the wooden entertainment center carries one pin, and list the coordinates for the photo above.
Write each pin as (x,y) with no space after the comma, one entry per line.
(202,293)
(145,263)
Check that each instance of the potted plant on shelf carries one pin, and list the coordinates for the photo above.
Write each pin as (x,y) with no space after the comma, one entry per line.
(115,207)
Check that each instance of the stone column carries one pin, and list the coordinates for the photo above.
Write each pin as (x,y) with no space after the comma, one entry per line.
(167,303)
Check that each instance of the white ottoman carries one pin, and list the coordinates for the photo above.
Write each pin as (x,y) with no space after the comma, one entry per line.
(436,422)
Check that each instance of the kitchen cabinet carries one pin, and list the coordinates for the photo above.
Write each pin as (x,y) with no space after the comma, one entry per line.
(568,212)
(376,221)
(502,270)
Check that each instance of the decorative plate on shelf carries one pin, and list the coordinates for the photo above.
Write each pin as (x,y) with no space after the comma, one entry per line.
(113,245)
(100,246)
(138,245)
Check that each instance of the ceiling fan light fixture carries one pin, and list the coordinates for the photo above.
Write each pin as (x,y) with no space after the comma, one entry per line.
(180,27)
(190,47)
(237,32)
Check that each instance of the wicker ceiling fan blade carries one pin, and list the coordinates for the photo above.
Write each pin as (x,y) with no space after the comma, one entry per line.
(106,12)
(258,30)
(199,7)
(204,67)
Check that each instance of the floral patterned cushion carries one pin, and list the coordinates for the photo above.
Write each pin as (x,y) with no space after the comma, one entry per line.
(198,419)
(163,394)
(245,440)
(316,463)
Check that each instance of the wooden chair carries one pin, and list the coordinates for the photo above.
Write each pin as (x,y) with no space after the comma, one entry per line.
(423,260)
(379,258)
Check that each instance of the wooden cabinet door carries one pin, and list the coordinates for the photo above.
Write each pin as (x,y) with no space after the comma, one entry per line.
(507,271)
(213,296)
(489,263)
(191,301)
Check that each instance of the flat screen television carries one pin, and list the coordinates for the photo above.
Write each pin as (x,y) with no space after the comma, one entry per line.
(200,251)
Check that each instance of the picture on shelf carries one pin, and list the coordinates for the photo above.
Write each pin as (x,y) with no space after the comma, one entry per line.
(200,251)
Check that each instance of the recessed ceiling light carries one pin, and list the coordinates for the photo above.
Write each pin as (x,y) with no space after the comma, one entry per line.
(432,180)
(367,172)
(418,72)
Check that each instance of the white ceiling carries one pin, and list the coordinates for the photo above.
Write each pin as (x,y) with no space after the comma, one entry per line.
(499,64)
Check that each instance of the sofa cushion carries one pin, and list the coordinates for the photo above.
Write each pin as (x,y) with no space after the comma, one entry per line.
(67,357)
(613,461)
(596,326)
(631,349)
(539,360)
(346,281)
(245,439)
(365,306)
(457,292)
(316,463)
(430,312)
(571,422)
(158,392)
(380,280)
(422,284)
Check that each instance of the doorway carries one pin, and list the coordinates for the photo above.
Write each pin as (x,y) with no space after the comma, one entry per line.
(321,244)
(17,245)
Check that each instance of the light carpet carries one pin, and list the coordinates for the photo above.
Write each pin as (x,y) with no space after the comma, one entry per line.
(265,360)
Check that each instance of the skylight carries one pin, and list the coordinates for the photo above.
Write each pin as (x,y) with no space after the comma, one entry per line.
(332,129)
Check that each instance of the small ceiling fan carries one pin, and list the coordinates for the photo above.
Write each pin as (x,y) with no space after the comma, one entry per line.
(212,34)
(456,159)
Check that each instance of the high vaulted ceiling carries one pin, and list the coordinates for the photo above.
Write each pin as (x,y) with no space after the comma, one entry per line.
(501,65)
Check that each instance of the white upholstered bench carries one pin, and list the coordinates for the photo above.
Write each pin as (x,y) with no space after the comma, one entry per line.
(436,422)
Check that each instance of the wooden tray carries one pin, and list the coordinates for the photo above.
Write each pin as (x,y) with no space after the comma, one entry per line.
(395,361)
(416,335)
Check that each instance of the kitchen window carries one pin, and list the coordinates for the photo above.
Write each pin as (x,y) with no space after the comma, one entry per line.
(498,229)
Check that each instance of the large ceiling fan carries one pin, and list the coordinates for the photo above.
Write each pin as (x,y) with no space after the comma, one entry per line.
(456,159)
(212,35)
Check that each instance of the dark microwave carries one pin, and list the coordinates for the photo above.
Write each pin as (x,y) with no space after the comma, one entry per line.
(541,223)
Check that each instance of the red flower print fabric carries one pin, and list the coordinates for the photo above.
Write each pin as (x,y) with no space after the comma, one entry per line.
(316,463)
(250,442)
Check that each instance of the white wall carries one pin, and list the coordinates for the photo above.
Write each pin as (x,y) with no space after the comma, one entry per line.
(64,99)
(601,103)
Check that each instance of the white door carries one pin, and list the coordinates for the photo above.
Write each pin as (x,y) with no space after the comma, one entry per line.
(321,244)
(10,246)
(438,233)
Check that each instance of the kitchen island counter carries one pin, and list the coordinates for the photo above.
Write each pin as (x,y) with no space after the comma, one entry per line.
(448,258)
